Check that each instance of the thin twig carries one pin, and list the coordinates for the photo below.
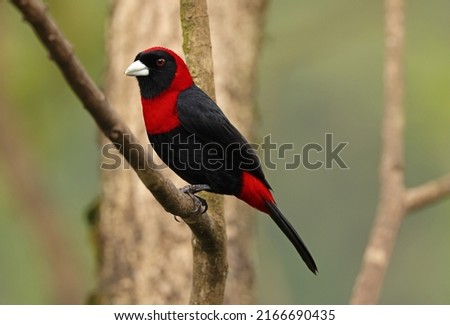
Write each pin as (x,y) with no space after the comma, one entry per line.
(423,195)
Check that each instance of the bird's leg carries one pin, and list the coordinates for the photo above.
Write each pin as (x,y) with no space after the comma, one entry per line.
(198,201)
(195,188)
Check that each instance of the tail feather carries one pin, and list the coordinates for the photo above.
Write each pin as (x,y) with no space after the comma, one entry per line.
(292,235)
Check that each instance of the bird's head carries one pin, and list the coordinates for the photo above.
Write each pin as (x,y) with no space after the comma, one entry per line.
(158,69)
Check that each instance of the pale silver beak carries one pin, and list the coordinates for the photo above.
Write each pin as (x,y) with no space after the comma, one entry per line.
(137,69)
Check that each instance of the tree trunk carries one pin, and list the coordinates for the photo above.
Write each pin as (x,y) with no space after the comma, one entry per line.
(144,256)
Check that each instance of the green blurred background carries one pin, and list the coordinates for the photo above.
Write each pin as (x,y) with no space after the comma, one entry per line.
(320,72)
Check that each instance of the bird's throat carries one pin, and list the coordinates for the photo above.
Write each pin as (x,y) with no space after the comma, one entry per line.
(160,112)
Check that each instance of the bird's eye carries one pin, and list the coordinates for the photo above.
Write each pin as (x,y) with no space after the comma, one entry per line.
(160,62)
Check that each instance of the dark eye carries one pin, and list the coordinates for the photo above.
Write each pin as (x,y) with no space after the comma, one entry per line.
(160,62)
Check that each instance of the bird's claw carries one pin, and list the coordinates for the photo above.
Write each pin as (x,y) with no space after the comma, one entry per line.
(198,201)
(203,203)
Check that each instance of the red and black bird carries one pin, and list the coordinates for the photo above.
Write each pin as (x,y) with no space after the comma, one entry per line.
(195,139)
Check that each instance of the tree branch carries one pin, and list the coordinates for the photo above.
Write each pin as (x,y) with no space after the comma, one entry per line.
(197,43)
(428,193)
(210,260)
(395,200)
(391,209)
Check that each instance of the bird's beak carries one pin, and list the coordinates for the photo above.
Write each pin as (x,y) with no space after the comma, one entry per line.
(137,69)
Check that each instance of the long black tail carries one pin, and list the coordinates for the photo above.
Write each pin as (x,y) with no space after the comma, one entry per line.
(293,236)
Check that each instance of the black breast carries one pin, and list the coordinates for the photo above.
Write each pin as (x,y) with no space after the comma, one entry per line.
(200,163)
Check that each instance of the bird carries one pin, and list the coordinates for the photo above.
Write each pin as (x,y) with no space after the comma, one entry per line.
(192,136)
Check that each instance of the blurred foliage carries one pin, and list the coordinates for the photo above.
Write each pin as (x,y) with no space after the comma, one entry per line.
(320,72)
(62,140)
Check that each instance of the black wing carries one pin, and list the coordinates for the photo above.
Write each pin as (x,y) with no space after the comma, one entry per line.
(201,116)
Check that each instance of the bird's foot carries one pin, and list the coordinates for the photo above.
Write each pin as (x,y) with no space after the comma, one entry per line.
(195,188)
(198,201)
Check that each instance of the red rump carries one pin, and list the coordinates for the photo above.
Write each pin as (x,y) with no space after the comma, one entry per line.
(255,193)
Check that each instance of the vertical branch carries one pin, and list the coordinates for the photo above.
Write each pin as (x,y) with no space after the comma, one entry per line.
(210,262)
(197,43)
(391,208)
